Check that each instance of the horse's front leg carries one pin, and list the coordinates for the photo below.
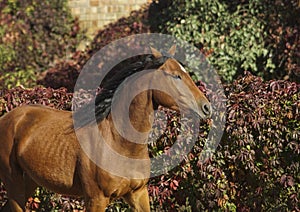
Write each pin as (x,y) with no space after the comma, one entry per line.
(96,204)
(19,189)
(138,200)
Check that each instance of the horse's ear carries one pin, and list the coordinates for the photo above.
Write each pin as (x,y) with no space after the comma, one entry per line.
(155,52)
(172,50)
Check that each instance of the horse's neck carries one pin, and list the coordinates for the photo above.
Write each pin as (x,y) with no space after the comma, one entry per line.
(141,112)
(130,123)
(132,106)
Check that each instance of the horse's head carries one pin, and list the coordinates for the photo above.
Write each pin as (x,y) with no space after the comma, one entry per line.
(182,93)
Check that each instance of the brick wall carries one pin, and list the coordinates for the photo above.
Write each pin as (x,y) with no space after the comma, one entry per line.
(94,14)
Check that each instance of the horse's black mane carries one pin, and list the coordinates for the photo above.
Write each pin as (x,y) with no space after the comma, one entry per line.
(110,84)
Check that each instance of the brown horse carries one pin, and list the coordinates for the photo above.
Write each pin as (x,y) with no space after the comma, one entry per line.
(39,148)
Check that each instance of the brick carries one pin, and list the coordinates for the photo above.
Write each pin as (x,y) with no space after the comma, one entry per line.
(75,11)
(94,23)
(83,4)
(88,10)
(97,13)
(82,10)
(104,2)
(94,3)
(131,2)
(101,10)
(94,10)
(101,16)
(110,16)
(83,18)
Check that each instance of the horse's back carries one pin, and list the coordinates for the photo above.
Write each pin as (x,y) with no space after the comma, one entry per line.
(40,140)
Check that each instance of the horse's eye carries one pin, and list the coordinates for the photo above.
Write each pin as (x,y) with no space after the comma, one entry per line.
(177,77)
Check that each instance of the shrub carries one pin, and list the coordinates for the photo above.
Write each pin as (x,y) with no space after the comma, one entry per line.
(282,27)
(262,144)
(255,167)
(65,73)
(34,35)
(16,97)
(3,196)
(258,36)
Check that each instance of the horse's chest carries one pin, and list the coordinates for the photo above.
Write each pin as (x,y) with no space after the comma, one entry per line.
(115,187)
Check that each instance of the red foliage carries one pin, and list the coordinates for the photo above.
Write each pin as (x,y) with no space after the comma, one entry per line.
(255,166)
(10,99)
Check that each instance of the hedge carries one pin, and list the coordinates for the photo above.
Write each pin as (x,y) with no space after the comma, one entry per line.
(34,36)
(65,73)
(259,36)
(255,167)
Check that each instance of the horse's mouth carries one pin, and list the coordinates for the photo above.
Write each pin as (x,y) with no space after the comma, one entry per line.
(195,111)
(194,114)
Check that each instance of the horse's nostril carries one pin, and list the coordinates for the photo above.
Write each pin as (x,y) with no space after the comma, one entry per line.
(206,108)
